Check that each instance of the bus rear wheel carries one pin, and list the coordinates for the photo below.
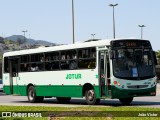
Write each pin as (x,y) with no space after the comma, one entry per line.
(126,101)
(63,99)
(91,97)
(32,98)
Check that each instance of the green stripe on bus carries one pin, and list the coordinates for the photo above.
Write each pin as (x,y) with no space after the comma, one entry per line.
(52,91)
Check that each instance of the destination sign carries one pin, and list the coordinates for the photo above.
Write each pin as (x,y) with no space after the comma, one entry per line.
(131,43)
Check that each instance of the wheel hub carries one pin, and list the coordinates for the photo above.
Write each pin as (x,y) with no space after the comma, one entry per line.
(31,95)
(90,95)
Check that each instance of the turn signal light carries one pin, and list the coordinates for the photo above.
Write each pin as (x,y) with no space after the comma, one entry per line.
(152,93)
(115,82)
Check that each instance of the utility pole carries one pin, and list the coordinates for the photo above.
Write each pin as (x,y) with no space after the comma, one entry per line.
(114,34)
(93,35)
(24,31)
(141,26)
(73,20)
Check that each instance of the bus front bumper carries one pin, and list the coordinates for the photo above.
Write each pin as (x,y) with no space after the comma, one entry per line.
(123,93)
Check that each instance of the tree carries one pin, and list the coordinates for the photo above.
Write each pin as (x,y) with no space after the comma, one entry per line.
(1,40)
(20,41)
(158,56)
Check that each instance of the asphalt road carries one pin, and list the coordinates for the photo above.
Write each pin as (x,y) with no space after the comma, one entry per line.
(23,101)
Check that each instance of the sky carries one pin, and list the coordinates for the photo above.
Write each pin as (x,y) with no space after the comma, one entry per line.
(51,20)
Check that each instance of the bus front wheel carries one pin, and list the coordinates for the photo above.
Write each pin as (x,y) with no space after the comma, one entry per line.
(32,98)
(126,101)
(91,97)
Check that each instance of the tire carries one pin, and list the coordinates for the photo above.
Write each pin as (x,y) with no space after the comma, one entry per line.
(126,101)
(63,99)
(32,98)
(91,97)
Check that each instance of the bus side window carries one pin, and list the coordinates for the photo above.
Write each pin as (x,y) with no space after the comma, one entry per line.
(24,67)
(74,54)
(73,65)
(14,69)
(34,67)
(87,58)
(48,66)
(63,57)
(92,64)
(64,65)
(92,52)
(55,65)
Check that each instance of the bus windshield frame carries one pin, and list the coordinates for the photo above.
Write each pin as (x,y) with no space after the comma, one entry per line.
(133,62)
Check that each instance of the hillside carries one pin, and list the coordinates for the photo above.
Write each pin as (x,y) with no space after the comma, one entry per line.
(17,42)
(29,41)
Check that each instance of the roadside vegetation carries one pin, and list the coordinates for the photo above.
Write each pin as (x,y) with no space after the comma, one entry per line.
(84,113)
(158,56)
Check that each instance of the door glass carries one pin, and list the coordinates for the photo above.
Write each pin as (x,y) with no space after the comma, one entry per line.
(102,72)
(14,68)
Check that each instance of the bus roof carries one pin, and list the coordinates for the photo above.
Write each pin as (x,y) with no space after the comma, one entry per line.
(105,42)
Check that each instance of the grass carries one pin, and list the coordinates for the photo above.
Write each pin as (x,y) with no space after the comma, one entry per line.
(65,112)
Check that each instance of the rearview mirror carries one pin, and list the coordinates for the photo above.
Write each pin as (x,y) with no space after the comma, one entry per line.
(111,54)
(155,58)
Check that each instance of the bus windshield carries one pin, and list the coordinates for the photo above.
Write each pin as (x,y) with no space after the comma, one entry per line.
(133,63)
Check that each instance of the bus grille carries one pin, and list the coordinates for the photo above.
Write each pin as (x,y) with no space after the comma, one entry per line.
(139,94)
(137,86)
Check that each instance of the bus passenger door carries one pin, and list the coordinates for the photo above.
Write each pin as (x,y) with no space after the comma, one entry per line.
(13,65)
(103,73)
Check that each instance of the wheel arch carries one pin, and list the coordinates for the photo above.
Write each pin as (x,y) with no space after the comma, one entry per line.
(85,87)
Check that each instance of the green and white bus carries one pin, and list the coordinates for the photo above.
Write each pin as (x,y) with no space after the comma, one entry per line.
(116,69)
